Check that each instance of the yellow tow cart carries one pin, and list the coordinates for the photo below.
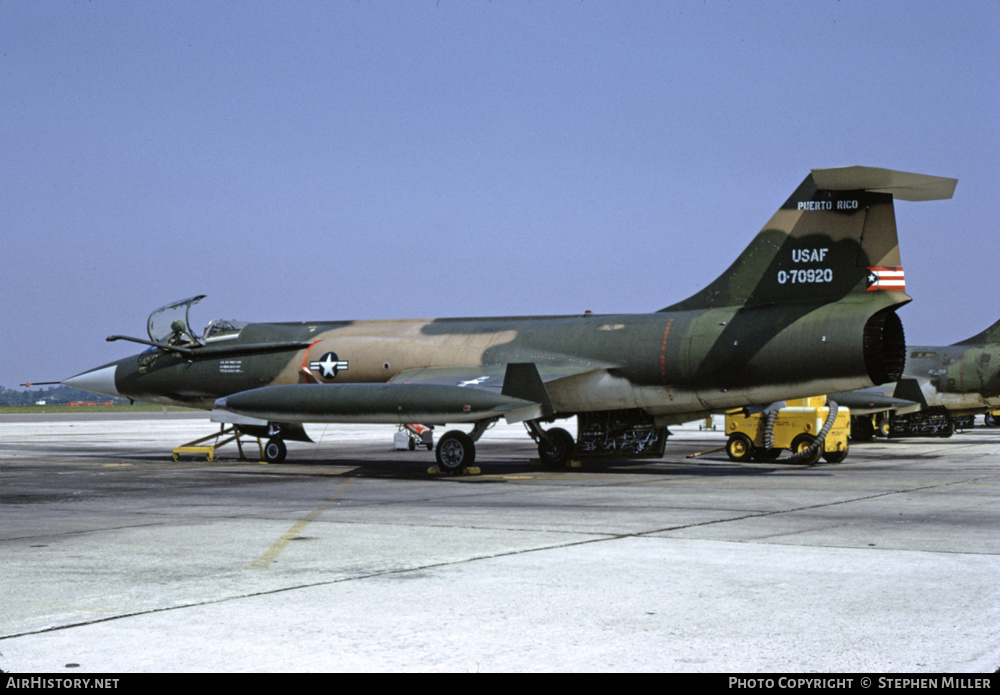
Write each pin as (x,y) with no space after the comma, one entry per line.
(808,427)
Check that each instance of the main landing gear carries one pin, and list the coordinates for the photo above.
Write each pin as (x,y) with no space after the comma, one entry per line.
(605,435)
(555,446)
(456,451)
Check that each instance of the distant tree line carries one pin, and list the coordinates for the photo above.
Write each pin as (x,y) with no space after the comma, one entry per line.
(51,395)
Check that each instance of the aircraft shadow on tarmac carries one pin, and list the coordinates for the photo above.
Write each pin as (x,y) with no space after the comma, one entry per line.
(400,465)
(500,459)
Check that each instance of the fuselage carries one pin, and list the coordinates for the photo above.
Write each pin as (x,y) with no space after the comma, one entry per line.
(960,378)
(673,365)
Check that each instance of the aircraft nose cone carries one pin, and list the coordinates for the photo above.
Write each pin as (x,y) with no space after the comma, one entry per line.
(100,380)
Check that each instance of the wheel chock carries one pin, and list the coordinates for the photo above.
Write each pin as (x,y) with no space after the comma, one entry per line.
(468,470)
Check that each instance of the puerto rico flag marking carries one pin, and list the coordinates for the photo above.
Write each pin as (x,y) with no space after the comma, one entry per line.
(885,278)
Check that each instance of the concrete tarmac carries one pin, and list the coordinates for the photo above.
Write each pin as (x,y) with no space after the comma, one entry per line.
(351,557)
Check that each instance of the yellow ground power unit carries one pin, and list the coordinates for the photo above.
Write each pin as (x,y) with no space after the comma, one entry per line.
(808,427)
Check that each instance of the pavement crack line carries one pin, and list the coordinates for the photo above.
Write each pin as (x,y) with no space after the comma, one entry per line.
(755,515)
(342,580)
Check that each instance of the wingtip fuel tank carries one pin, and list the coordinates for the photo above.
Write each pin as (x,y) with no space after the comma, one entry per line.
(429,404)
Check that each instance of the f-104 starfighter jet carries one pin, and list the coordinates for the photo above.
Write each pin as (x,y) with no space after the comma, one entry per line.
(809,307)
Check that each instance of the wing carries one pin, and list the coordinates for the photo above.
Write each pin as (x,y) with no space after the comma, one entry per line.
(430,396)
(524,380)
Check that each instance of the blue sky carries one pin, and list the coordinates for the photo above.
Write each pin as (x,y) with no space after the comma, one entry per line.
(353,159)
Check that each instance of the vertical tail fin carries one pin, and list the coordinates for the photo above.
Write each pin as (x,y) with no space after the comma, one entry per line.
(990,336)
(835,236)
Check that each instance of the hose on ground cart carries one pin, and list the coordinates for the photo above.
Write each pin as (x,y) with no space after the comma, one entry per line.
(772,415)
(769,417)
(811,450)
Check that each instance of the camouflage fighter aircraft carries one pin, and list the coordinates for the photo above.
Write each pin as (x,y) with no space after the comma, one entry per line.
(942,387)
(808,307)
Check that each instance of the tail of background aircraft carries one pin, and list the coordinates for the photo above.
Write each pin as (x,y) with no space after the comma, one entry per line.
(990,336)
(834,237)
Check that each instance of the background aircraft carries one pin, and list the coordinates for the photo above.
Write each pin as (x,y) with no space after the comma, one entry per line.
(942,386)
(808,307)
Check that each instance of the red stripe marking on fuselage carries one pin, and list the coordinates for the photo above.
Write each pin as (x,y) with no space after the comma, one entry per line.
(663,360)
(305,361)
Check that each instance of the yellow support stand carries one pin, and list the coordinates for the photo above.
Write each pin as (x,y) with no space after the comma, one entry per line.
(197,446)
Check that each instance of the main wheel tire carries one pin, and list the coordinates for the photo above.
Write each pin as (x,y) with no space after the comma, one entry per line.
(991,420)
(558,449)
(884,427)
(803,442)
(275,450)
(455,451)
(862,428)
(739,448)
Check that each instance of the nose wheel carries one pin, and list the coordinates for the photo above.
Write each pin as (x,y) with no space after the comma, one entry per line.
(275,450)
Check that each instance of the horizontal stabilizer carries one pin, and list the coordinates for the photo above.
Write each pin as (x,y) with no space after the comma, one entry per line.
(902,185)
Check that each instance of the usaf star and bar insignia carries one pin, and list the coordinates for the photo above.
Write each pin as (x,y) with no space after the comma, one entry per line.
(329,365)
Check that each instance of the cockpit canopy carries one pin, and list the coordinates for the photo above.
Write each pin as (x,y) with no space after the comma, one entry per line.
(170,325)
(222,329)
